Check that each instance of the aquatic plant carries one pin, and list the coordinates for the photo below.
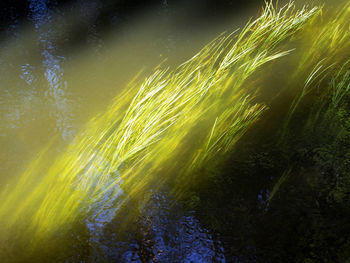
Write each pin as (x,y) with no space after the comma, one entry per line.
(143,133)
(329,44)
(327,64)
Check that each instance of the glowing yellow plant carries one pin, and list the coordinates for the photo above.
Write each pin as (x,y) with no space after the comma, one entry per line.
(144,132)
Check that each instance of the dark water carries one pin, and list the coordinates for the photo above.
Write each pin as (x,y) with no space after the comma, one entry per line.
(162,232)
(63,61)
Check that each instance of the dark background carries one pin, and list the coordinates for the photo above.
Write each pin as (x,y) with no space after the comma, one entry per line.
(18,10)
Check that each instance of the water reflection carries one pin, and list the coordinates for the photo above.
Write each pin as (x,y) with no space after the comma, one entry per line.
(162,232)
(51,63)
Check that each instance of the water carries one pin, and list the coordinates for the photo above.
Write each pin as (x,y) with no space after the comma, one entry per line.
(163,233)
(61,64)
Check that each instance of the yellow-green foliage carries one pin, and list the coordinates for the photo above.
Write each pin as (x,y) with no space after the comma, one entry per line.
(326,61)
(144,131)
(328,48)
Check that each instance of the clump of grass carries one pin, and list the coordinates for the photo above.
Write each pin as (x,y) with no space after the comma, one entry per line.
(145,128)
(332,86)
(327,64)
(340,85)
(226,131)
(328,38)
